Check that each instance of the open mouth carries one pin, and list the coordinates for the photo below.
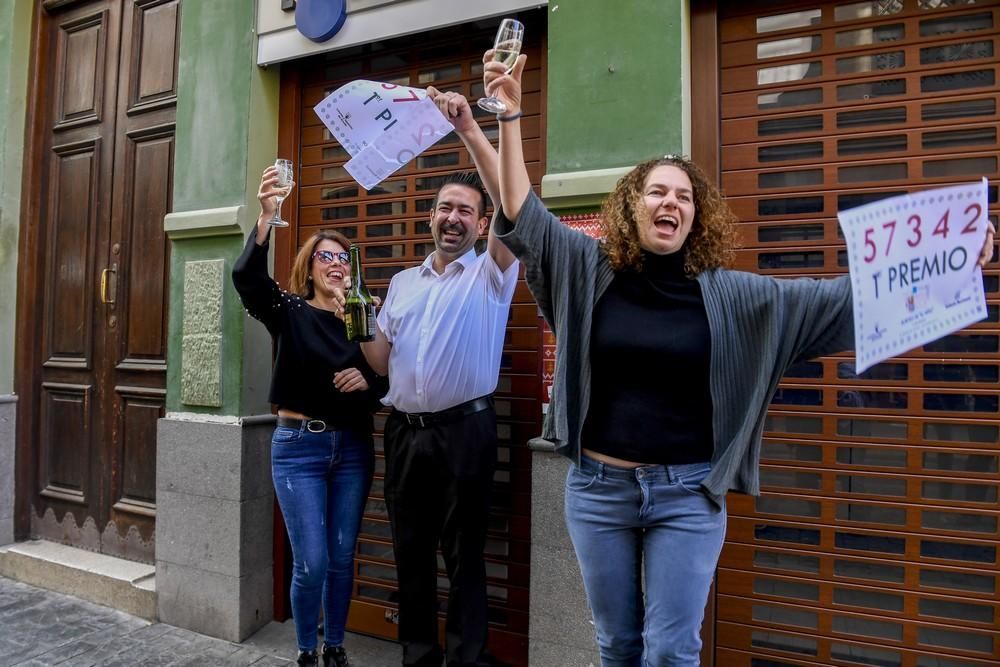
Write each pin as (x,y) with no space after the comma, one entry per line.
(667,224)
(452,235)
(336,274)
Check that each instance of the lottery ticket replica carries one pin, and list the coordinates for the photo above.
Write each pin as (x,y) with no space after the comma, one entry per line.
(383,126)
(913,268)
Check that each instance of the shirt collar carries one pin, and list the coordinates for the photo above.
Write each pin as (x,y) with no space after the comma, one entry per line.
(465,261)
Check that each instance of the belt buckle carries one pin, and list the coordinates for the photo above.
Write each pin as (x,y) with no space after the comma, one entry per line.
(415,420)
(315,425)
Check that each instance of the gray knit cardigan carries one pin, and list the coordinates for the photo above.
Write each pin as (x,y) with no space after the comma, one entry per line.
(759,326)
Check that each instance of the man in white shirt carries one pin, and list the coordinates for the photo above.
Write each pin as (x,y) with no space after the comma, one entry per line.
(439,337)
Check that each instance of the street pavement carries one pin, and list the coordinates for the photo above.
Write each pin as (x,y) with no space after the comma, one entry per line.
(39,628)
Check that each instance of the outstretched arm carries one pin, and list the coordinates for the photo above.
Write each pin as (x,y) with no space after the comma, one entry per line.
(456,109)
(514,181)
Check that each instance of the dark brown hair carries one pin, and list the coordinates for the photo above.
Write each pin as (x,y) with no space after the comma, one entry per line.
(712,242)
(469,179)
(299,282)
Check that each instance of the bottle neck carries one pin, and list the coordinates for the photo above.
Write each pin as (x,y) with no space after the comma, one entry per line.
(356,281)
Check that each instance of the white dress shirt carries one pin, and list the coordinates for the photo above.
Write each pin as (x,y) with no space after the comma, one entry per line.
(446,331)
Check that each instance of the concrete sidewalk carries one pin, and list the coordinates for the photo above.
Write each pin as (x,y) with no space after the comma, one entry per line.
(39,628)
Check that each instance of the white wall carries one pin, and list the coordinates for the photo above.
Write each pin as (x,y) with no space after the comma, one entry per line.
(372,20)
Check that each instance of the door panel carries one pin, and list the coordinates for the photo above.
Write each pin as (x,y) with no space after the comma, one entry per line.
(70,258)
(66,408)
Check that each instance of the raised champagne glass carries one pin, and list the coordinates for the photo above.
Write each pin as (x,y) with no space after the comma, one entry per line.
(284,186)
(506,48)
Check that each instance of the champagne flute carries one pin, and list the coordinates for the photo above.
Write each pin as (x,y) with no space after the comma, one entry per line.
(506,48)
(283,187)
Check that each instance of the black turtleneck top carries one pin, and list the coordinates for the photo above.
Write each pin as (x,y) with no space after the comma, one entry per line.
(650,349)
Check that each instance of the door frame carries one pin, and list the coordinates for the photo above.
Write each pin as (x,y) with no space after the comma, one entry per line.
(27,346)
(705,148)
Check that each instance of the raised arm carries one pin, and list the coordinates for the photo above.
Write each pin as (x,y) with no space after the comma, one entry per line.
(455,108)
(260,295)
(514,181)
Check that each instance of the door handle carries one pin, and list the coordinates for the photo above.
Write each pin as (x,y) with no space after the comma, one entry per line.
(113,269)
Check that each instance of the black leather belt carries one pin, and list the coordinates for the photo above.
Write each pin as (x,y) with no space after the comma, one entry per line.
(311,425)
(425,419)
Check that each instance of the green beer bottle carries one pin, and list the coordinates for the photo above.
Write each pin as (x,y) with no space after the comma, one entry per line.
(359,311)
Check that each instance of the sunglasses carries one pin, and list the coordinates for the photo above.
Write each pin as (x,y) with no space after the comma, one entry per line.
(327,256)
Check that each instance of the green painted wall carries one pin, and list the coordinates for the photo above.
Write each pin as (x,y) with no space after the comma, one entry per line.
(216,63)
(226,135)
(15,41)
(598,118)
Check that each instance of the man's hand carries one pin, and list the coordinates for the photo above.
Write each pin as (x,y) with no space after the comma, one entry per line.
(349,379)
(987,252)
(454,107)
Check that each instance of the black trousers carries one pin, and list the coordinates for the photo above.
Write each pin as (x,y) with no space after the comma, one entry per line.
(438,481)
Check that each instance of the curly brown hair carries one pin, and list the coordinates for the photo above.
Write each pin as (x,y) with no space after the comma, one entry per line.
(712,242)
(299,282)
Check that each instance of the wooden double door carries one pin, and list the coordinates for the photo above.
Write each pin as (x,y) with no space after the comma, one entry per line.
(92,310)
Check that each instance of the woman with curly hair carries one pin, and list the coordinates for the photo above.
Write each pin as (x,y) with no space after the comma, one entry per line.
(665,365)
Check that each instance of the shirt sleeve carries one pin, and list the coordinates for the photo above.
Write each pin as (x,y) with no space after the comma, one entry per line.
(819,316)
(546,247)
(263,299)
(502,283)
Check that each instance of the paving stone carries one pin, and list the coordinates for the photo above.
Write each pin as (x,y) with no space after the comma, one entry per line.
(39,628)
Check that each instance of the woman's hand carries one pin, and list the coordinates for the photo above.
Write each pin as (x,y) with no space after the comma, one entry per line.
(349,379)
(268,205)
(506,87)
(268,190)
(340,299)
(987,252)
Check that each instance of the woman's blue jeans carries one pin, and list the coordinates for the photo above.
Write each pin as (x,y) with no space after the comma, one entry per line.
(322,482)
(650,523)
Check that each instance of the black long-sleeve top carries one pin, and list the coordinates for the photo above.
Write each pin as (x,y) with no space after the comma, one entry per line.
(650,350)
(311,346)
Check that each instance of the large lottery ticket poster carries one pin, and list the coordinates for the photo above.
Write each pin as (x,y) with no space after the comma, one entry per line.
(913,268)
(382,125)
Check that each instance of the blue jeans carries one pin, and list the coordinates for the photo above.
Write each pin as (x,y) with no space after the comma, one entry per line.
(322,482)
(656,518)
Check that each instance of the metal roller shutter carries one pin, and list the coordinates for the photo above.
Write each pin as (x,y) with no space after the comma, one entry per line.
(875,540)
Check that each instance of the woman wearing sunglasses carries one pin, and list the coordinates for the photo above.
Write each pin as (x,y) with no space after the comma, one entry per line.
(322,457)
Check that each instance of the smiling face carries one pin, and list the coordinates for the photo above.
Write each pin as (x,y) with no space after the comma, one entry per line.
(668,199)
(327,276)
(455,221)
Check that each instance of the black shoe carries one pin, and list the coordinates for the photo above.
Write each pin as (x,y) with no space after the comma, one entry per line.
(335,656)
(307,659)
